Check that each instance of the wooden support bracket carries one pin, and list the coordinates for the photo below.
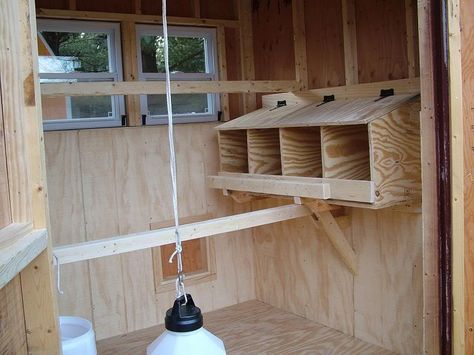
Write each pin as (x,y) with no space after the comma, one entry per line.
(322,213)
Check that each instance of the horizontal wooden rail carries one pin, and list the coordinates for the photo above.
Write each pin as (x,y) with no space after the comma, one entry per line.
(319,188)
(138,241)
(158,87)
(109,16)
(20,244)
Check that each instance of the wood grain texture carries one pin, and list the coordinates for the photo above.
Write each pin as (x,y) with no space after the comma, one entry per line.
(388,293)
(101,220)
(182,8)
(12,325)
(431,288)
(264,151)
(301,151)
(299,38)
(233,59)
(324,43)
(395,155)
(467,45)
(120,6)
(273,36)
(5,213)
(111,176)
(218,10)
(350,42)
(345,152)
(273,332)
(317,272)
(233,151)
(381,40)
(52,4)
(64,178)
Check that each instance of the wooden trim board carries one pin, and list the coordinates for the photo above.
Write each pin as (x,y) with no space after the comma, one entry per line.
(110,16)
(158,87)
(296,186)
(139,241)
(19,246)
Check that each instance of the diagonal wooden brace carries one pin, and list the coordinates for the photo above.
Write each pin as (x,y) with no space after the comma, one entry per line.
(322,213)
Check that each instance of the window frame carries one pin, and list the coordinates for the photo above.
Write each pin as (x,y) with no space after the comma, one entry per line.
(210,36)
(115,73)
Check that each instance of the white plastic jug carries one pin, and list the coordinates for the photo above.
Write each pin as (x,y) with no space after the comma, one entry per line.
(77,336)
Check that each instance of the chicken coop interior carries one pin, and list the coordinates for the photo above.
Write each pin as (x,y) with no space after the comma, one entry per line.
(308,165)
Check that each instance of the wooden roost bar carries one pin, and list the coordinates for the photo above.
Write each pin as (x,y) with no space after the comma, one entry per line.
(361,152)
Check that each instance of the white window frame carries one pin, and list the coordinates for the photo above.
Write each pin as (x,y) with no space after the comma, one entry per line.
(209,34)
(114,74)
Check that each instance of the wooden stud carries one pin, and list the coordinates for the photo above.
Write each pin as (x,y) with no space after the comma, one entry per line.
(72,5)
(411,43)
(457,175)
(299,35)
(157,88)
(246,51)
(222,58)
(350,42)
(431,332)
(138,7)
(130,70)
(139,241)
(197,8)
(110,16)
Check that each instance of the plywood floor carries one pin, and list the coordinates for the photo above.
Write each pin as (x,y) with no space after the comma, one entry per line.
(255,328)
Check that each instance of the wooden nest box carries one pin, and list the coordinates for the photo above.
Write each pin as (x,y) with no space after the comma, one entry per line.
(362,152)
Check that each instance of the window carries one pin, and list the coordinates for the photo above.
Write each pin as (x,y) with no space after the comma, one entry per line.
(192,54)
(80,51)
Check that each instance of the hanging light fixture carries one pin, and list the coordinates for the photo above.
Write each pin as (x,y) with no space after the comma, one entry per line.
(184,334)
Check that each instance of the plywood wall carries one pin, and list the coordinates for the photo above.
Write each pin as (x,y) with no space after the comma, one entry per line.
(109,182)
(297,269)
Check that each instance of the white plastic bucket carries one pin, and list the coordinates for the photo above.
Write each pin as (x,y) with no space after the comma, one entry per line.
(77,336)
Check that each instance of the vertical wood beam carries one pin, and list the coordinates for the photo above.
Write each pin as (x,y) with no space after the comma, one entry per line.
(411,44)
(457,173)
(431,331)
(72,5)
(130,70)
(197,8)
(246,50)
(137,5)
(350,42)
(222,58)
(299,35)
(37,281)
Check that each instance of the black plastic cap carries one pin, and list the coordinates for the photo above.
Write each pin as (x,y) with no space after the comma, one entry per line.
(183,317)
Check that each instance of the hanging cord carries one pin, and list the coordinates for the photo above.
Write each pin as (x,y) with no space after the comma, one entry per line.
(180,291)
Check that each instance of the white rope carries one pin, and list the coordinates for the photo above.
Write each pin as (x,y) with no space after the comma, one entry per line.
(180,291)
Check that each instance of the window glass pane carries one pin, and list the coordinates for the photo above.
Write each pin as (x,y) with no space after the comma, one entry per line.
(78,107)
(186,54)
(69,52)
(91,107)
(182,104)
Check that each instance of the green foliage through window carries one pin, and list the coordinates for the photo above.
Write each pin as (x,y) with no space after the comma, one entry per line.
(186,54)
(88,51)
